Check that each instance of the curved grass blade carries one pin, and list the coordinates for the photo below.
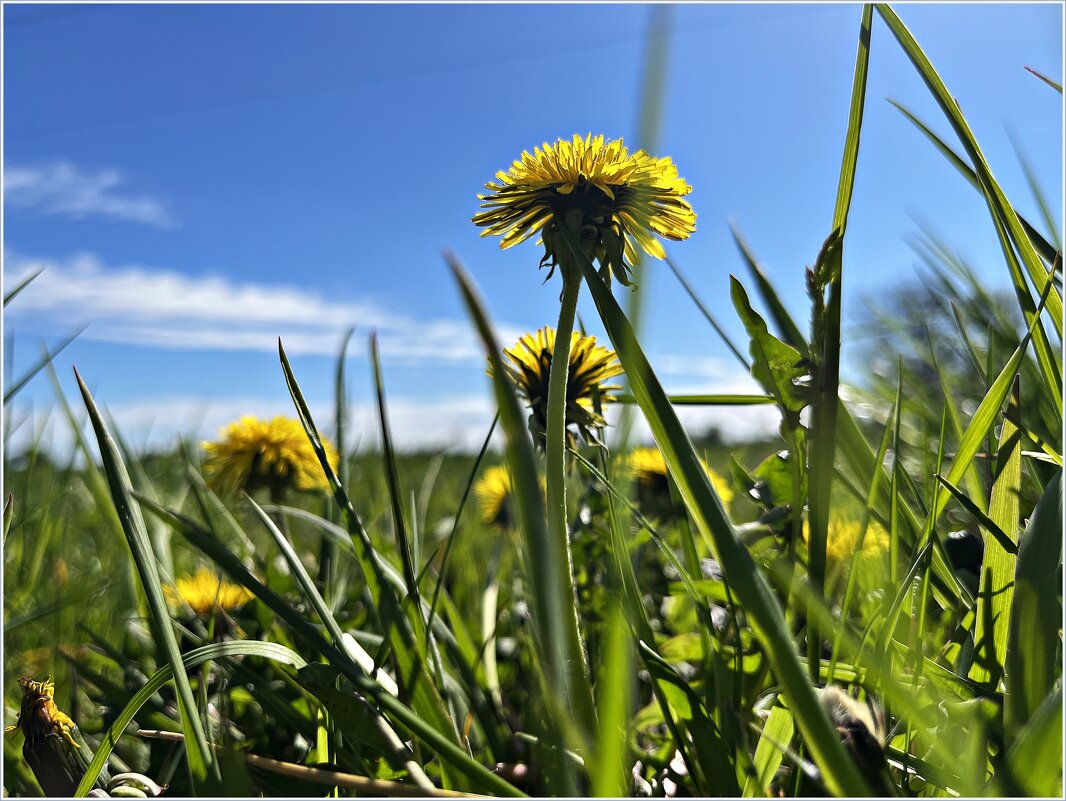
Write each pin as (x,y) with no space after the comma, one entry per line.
(1000,209)
(1047,250)
(197,656)
(10,296)
(703,503)
(366,685)
(202,765)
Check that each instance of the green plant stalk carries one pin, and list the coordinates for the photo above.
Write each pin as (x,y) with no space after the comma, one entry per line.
(575,671)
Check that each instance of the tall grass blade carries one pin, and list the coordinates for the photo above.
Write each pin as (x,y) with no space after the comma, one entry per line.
(778,731)
(750,587)
(707,314)
(44,361)
(1049,81)
(1035,757)
(788,329)
(202,765)
(1032,664)
(610,778)
(1001,211)
(25,282)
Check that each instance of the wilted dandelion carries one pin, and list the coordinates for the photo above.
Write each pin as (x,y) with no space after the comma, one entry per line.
(606,196)
(205,592)
(53,746)
(648,469)
(529,364)
(252,454)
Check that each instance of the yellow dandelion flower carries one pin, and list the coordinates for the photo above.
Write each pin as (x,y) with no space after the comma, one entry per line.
(493,493)
(611,199)
(529,364)
(843,537)
(252,454)
(648,468)
(205,592)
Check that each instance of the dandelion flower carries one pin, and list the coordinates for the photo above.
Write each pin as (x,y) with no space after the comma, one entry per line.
(252,454)
(529,364)
(612,200)
(648,468)
(493,492)
(205,592)
(53,745)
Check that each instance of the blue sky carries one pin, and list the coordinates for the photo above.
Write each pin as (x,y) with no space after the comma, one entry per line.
(197,180)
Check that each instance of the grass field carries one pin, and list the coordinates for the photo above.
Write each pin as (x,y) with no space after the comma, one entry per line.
(852,605)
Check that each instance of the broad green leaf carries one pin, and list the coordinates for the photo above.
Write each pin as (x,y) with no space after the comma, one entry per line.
(1035,756)
(776,733)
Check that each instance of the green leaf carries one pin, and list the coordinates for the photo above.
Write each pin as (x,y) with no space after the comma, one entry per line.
(609,773)
(776,365)
(10,296)
(1033,638)
(776,733)
(202,765)
(47,358)
(789,330)
(1035,757)
(1050,82)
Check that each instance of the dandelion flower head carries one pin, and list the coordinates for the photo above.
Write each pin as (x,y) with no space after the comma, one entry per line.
(38,716)
(610,199)
(529,364)
(648,468)
(276,454)
(204,592)
(493,493)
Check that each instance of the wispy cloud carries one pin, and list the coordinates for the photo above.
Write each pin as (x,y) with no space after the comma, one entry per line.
(166,309)
(68,190)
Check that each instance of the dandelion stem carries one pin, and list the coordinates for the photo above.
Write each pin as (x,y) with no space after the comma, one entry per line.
(567,634)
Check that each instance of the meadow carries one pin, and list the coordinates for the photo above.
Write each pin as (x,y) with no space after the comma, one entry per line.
(854,604)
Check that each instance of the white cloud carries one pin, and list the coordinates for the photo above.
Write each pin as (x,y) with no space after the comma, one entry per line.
(167,309)
(65,189)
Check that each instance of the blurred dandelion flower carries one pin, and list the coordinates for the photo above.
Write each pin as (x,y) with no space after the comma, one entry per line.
(204,592)
(843,540)
(648,468)
(252,454)
(529,365)
(608,197)
(493,492)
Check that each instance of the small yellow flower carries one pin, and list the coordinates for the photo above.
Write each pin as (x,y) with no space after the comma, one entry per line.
(608,197)
(205,592)
(648,467)
(252,454)
(39,716)
(493,492)
(841,541)
(529,363)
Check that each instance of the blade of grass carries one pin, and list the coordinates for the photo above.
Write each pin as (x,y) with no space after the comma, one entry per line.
(1031,665)
(1000,209)
(44,361)
(707,314)
(1050,82)
(790,332)
(610,779)
(709,400)
(703,503)
(25,282)
(202,765)
(555,616)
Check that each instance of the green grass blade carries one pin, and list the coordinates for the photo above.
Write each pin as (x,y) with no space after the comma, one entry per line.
(610,778)
(44,361)
(202,765)
(998,205)
(10,296)
(707,314)
(1005,542)
(1047,250)
(709,400)
(1035,757)
(846,183)
(9,514)
(748,583)
(197,656)
(1049,81)
(778,731)
(1031,664)
(553,614)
